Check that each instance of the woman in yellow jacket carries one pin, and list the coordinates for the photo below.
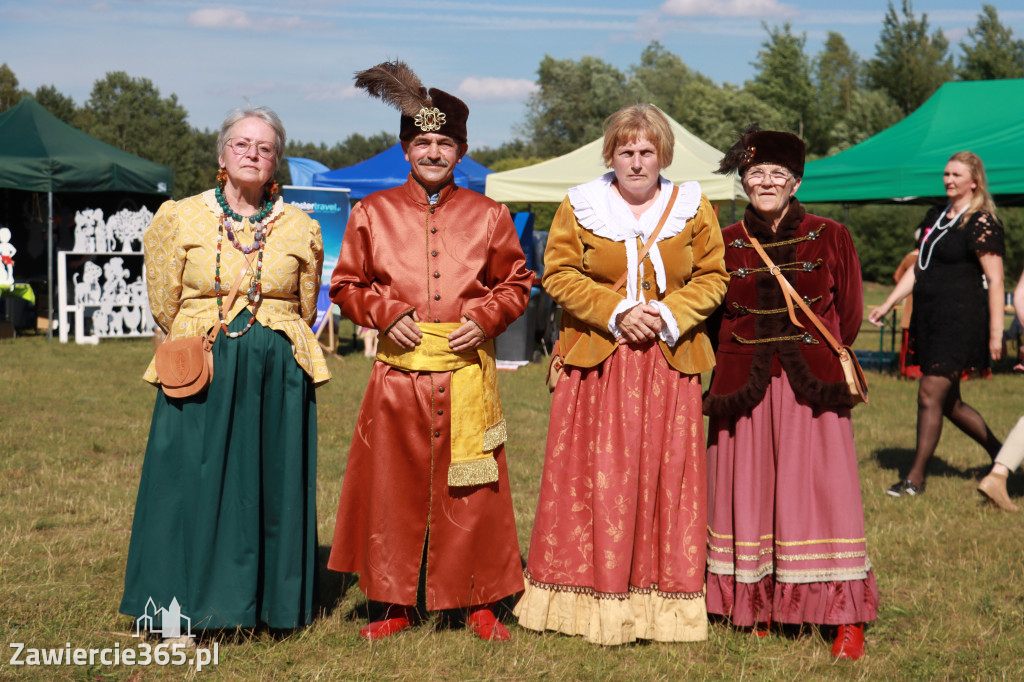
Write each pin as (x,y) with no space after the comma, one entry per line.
(618,546)
(225,523)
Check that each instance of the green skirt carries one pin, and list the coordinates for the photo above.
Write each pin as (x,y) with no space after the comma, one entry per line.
(225,520)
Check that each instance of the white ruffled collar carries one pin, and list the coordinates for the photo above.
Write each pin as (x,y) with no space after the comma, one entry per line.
(600,209)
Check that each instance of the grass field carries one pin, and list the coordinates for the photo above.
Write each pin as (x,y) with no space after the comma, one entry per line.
(73,428)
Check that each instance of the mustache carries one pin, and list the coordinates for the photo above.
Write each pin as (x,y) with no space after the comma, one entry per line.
(435,162)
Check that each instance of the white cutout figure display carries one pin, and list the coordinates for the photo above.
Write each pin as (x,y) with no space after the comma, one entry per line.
(127,227)
(88,291)
(85,229)
(7,252)
(117,304)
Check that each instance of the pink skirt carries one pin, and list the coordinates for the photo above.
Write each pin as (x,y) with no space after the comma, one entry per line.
(618,547)
(785,520)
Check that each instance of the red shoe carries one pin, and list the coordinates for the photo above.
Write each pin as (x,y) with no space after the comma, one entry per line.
(379,629)
(759,631)
(486,626)
(849,642)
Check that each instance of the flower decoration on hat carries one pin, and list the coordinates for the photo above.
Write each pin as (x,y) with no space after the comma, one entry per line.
(429,120)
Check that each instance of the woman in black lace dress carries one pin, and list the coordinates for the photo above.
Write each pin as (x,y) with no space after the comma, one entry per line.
(957,322)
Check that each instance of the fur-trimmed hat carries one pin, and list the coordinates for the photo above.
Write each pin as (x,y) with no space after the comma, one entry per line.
(423,111)
(765,146)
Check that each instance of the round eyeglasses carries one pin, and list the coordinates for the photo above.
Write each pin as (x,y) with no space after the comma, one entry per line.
(778,176)
(241,146)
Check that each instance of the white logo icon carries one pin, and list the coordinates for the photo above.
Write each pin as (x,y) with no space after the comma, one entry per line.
(170,621)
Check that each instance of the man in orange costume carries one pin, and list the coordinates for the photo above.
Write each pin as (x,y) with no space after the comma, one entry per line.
(438,270)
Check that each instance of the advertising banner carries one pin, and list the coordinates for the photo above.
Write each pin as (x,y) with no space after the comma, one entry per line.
(329,207)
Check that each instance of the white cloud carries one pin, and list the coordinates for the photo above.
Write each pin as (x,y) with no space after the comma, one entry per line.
(727,8)
(100,7)
(331,92)
(492,89)
(236,19)
(220,17)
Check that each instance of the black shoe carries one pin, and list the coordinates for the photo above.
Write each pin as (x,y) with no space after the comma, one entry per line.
(905,487)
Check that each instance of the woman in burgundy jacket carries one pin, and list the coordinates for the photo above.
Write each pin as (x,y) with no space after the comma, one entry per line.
(786,539)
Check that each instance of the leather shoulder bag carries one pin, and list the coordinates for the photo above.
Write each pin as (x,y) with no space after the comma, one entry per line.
(185,366)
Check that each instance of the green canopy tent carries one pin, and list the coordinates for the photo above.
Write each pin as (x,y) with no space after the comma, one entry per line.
(904,163)
(41,153)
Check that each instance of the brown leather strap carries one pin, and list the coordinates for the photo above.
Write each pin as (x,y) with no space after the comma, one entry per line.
(791,296)
(640,257)
(650,240)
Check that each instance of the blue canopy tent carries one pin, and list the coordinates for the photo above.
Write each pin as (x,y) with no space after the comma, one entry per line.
(303,170)
(390,169)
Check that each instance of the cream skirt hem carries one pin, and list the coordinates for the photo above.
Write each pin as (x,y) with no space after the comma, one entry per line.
(610,620)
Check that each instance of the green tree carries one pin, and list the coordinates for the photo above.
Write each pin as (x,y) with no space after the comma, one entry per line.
(871,112)
(784,80)
(663,75)
(718,115)
(515,153)
(909,64)
(353,149)
(573,99)
(992,53)
(9,92)
(130,114)
(57,103)
(837,76)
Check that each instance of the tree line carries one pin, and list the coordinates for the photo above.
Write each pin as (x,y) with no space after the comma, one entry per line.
(833,100)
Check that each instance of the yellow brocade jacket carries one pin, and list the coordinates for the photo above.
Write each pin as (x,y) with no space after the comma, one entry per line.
(181,255)
(581,267)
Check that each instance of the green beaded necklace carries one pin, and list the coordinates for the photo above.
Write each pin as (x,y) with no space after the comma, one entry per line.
(257,217)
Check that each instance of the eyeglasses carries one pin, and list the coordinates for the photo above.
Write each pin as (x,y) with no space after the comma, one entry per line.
(241,146)
(777,176)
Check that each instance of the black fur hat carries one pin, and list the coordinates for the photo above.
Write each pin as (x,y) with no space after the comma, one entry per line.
(765,146)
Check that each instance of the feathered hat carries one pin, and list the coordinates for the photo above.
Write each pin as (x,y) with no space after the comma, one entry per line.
(423,111)
(764,146)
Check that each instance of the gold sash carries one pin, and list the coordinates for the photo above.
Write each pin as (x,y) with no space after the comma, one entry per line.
(477,424)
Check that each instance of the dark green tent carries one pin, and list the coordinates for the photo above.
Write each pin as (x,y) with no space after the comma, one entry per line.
(905,162)
(41,153)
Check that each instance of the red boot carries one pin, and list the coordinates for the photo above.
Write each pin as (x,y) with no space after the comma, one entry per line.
(849,642)
(396,618)
(486,626)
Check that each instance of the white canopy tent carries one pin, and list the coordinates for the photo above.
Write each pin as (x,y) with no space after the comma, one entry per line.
(548,181)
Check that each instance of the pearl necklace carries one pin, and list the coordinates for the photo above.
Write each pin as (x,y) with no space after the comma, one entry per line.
(941,229)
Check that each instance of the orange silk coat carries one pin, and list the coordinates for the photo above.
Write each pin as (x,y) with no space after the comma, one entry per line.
(459,257)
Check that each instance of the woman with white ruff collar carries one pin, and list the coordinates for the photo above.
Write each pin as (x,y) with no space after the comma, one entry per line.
(618,546)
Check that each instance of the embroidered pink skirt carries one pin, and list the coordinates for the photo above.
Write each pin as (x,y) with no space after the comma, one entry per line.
(785,520)
(618,546)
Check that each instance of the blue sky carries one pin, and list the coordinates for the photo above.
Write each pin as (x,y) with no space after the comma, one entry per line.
(298,57)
